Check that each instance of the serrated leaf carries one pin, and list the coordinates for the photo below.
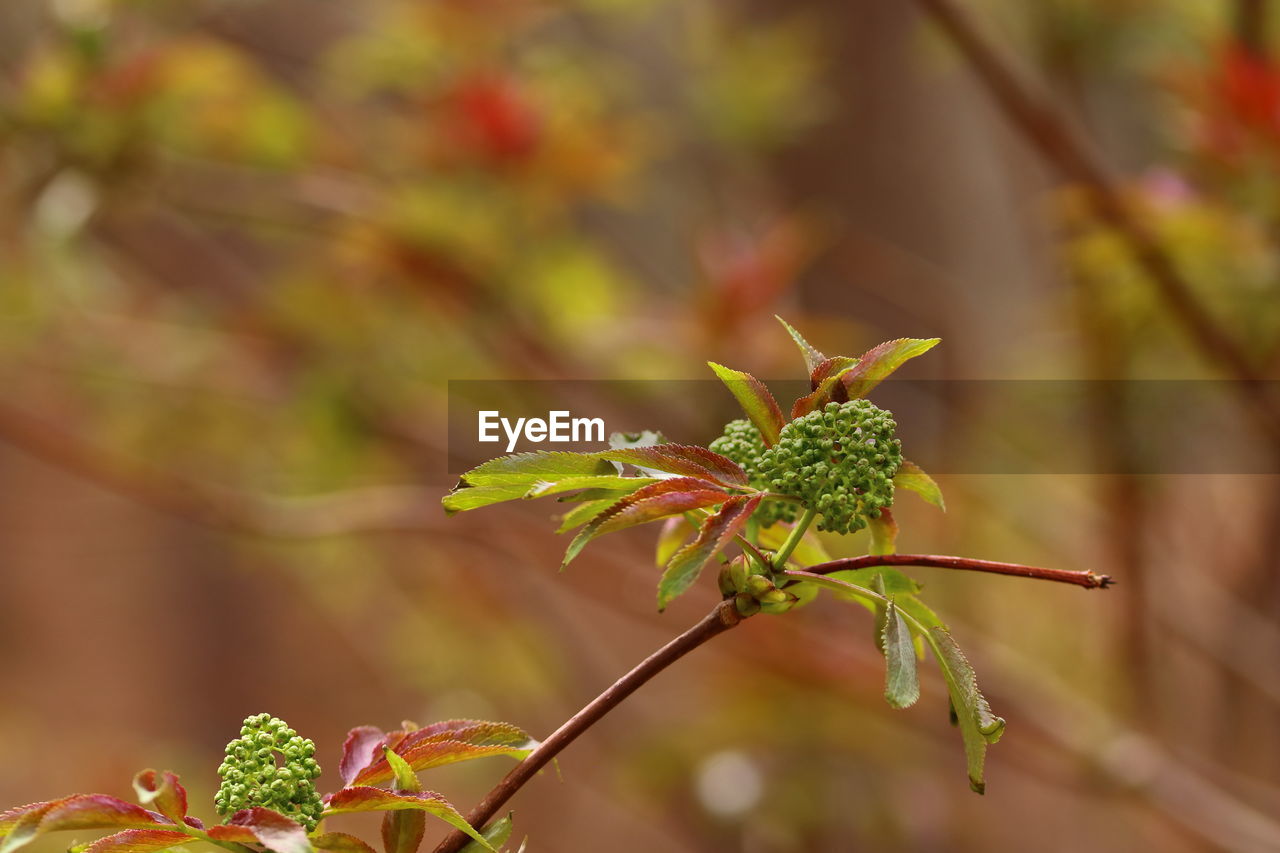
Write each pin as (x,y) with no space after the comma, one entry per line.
(675,532)
(359,751)
(404,779)
(340,842)
(466,497)
(163,792)
(715,534)
(528,468)
(978,725)
(139,841)
(812,358)
(612,482)
(267,827)
(402,831)
(367,799)
(449,742)
(912,477)
(884,532)
(761,409)
(682,460)
(81,811)
(659,500)
(902,684)
(584,512)
(880,361)
(825,384)
(809,552)
(496,834)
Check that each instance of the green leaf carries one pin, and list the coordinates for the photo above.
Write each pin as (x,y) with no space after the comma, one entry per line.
(880,361)
(912,477)
(812,358)
(366,799)
(162,792)
(884,532)
(473,497)
(683,460)
(404,779)
(755,399)
(612,482)
(978,725)
(495,833)
(584,512)
(650,503)
(715,534)
(902,685)
(895,582)
(529,468)
(675,532)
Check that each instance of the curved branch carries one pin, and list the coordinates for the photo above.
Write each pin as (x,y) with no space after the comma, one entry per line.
(721,619)
(1088,580)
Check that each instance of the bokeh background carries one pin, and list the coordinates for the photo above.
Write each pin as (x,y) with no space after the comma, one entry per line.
(245,244)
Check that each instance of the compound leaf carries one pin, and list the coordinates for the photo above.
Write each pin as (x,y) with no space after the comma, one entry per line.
(902,684)
(715,534)
(912,477)
(366,799)
(755,399)
(880,361)
(978,725)
(812,358)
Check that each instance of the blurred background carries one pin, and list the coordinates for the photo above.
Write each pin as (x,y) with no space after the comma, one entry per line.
(244,245)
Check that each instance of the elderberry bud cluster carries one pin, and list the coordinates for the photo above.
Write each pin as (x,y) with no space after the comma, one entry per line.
(743,443)
(839,460)
(270,766)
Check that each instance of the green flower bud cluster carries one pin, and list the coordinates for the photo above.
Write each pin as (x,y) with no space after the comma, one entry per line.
(752,589)
(840,460)
(270,766)
(743,444)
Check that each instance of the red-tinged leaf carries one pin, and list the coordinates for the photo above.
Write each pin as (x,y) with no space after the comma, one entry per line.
(98,811)
(879,361)
(10,818)
(232,834)
(825,382)
(81,811)
(340,842)
(437,753)
(271,829)
(884,532)
(359,751)
(663,499)
(139,841)
(714,536)
(365,799)
(912,477)
(675,532)
(755,399)
(480,733)
(163,792)
(683,460)
(812,358)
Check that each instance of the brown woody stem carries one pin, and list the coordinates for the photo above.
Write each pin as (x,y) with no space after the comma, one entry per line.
(1088,580)
(719,620)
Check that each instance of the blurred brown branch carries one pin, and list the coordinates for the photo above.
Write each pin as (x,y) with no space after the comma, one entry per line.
(1055,140)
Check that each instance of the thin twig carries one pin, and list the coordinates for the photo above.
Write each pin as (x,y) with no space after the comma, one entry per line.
(1054,138)
(719,620)
(1088,580)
